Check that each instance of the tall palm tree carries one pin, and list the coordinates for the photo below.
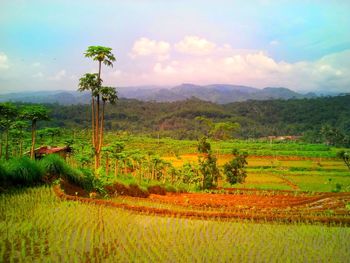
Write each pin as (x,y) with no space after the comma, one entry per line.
(34,113)
(102,55)
(90,82)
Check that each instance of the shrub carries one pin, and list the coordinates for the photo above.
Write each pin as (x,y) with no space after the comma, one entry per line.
(54,165)
(24,171)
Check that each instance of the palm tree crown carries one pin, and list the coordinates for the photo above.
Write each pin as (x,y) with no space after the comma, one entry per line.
(101,54)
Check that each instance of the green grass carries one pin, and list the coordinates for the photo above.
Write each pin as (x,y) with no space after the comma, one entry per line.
(167,146)
(53,164)
(23,171)
(36,226)
(321,183)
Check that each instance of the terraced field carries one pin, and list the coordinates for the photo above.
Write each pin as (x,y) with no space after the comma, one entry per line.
(285,172)
(36,226)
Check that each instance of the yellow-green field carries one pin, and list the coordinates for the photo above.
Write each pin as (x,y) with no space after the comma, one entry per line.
(37,227)
(285,173)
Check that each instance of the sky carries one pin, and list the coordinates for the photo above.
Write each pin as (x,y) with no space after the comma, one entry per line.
(301,45)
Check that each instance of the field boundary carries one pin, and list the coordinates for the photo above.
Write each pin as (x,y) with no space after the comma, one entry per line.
(283,218)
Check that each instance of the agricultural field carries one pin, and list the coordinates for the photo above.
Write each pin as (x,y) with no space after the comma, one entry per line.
(36,226)
(287,204)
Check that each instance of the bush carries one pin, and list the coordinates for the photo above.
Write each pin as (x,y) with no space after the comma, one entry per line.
(24,171)
(54,165)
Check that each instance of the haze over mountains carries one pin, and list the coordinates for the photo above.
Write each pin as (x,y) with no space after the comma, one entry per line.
(218,93)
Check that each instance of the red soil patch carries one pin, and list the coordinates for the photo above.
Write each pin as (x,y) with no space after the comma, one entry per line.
(226,200)
(282,208)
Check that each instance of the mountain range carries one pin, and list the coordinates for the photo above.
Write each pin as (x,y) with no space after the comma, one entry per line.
(218,93)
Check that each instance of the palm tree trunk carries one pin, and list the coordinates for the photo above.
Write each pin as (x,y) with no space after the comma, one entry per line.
(33,139)
(93,119)
(97,123)
(97,127)
(107,164)
(102,124)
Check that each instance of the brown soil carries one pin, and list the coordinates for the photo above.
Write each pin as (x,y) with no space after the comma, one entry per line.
(74,190)
(131,190)
(253,206)
(156,189)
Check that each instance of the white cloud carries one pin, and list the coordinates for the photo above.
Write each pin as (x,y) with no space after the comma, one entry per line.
(195,45)
(59,75)
(38,75)
(255,68)
(148,47)
(3,61)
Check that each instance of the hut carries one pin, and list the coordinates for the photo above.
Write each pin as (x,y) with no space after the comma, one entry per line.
(46,150)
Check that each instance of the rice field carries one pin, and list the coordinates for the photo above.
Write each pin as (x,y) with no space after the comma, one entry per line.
(36,226)
(285,173)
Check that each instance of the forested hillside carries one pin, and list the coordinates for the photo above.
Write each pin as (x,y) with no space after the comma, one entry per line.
(177,119)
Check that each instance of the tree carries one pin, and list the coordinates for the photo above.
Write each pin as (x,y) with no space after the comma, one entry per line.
(102,55)
(345,156)
(18,127)
(93,83)
(8,113)
(117,148)
(223,130)
(34,113)
(51,132)
(207,164)
(235,169)
(217,130)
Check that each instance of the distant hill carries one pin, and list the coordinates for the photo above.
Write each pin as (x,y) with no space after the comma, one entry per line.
(218,93)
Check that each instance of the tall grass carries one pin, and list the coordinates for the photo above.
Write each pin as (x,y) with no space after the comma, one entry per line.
(23,171)
(26,172)
(54,165)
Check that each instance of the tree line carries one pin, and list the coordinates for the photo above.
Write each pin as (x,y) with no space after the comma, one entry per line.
(321,120)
